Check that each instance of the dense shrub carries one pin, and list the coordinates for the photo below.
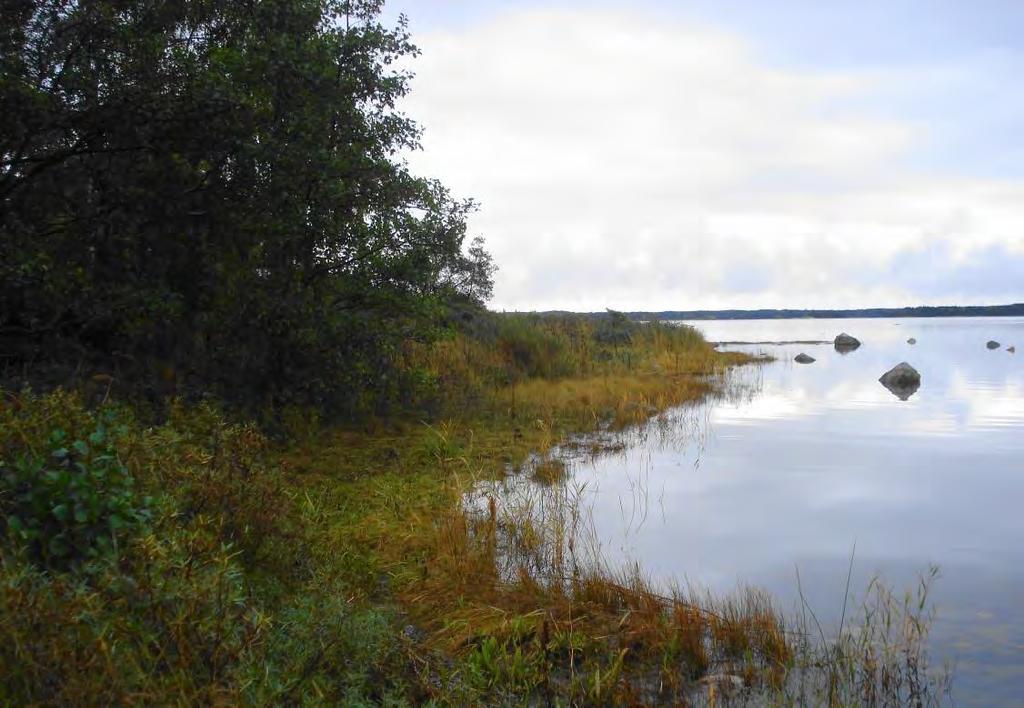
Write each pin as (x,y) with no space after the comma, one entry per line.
(207,195)
(66,494)
(70,502)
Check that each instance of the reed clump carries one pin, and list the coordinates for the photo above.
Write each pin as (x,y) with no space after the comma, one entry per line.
(550,471)
(881,658)
(540,366)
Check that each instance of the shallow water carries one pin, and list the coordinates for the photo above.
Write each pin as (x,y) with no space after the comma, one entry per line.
(810,461)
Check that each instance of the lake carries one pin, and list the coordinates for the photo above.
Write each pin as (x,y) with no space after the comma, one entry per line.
(801,464)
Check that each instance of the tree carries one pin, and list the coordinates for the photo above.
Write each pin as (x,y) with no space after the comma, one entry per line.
(216,187)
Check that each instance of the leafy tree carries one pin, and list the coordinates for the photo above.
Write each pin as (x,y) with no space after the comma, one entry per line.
(215,189)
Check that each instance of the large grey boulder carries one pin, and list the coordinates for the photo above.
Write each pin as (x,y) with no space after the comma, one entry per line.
(802,358)
(902,380)
(993,344)
(846,343)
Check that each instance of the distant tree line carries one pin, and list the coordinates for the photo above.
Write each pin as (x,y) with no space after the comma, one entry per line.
(214,191)
(1016,310)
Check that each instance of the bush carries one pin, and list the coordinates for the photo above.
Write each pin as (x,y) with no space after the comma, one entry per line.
(72,502)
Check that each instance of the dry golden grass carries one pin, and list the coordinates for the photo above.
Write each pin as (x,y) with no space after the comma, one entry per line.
(527,575)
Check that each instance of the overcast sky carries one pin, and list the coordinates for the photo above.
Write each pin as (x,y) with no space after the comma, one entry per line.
(730,153)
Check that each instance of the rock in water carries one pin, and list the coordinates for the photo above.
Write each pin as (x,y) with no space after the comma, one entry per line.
(1011,349)
(802,358)
(911,341)
(846,343)
(993,344)
(902,380)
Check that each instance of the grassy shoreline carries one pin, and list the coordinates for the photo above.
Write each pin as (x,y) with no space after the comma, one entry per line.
(397,499)
(348,567)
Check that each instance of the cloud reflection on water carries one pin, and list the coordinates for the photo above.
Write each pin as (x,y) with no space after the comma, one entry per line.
(812,459)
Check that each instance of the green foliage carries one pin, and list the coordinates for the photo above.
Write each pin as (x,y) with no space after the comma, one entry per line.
(505,667)
(209,195)
(220,477)
(169,614)
(534,350)
(72,501)
(326,647)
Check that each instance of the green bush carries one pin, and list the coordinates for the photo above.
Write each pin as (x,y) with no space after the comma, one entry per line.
(72,502)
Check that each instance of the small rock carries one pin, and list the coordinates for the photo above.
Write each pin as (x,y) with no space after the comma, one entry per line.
(993,344)
(911,341)
(902,380)
(846,342)
(1011,349)
(802,358)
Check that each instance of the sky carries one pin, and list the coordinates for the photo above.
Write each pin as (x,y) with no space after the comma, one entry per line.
(709,154)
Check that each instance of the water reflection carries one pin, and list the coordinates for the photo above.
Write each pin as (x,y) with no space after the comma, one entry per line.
(797,463)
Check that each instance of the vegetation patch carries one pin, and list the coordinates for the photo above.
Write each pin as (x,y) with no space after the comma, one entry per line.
(371,565)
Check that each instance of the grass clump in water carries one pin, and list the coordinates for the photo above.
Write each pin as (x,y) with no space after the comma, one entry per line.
(880,659)
(550,471)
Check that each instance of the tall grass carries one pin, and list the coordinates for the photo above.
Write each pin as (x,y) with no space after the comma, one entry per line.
(880,659)
(519,364)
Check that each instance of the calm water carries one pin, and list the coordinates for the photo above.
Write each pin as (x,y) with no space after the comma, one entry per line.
(816,458)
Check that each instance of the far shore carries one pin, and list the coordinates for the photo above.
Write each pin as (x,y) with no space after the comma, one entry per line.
(1014,310)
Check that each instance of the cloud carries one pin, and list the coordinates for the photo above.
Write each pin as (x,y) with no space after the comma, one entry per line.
(992,273)
(626,161)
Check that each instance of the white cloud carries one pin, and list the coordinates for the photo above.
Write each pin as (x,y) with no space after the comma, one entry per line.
(627,162)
